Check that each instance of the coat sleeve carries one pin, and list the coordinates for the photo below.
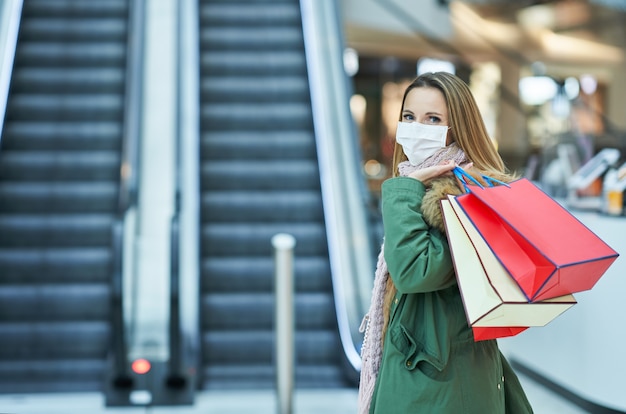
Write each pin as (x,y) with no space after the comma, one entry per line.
(417,256)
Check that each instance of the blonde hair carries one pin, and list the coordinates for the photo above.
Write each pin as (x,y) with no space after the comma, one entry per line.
(466,124)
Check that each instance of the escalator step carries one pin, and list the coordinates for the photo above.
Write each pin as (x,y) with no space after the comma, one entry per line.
(84,8)
(55,265)
(232,14)
(63,166)
(58,197)
(249,311)
(60,55)
(255,89)
(257,347)
(259,176)
(252,38)
(249,240)
(62,136)
(81,30)
(45,375)
(252,63)
(256,117)
(280,146)
(40,302)
(79,81)
(268,206)
(62,107)
(50,340)
(228,274)
(246,3)
(258,377)
(58,230)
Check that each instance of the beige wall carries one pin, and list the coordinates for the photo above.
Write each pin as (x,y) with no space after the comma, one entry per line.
(616,97)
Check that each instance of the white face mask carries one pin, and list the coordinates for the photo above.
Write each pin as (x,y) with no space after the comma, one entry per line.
(420,141)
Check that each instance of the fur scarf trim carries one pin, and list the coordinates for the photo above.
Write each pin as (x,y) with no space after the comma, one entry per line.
(431,209)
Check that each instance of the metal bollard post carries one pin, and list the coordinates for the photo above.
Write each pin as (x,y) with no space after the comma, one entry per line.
(284,320)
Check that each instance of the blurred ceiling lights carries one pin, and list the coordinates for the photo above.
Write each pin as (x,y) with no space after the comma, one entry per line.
(578,33)
(538,31)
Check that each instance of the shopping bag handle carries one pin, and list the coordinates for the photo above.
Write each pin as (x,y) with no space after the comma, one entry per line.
(491,181)
(463,176)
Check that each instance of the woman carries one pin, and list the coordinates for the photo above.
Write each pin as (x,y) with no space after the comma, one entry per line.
(419,354)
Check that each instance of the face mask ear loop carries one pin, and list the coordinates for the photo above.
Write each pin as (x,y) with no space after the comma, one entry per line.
(463,177)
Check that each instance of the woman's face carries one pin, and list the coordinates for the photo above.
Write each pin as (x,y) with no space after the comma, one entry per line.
(426,105)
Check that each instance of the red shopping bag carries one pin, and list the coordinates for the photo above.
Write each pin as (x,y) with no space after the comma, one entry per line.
(494,304)
(544,248)
(493,332)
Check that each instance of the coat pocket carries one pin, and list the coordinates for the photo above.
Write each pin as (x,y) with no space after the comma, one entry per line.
(414,352)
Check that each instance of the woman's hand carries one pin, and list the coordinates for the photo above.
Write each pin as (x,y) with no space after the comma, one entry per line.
(467,167)
(426,174)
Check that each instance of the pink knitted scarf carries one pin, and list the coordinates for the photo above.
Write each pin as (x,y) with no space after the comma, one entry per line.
(373,322)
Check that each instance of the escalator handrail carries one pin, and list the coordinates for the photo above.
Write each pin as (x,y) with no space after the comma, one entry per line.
(175,332)
(10,18)
(128,188)
(133,105)
(184,242)
(343,195)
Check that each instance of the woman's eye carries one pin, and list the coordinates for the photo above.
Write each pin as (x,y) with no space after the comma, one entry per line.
(408,117)
(433,120)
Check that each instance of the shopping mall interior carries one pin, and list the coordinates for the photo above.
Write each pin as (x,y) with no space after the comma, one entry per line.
(190,192)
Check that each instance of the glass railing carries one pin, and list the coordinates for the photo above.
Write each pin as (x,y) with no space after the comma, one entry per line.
(10,16)
(343,186)
(184,272)
(123,232)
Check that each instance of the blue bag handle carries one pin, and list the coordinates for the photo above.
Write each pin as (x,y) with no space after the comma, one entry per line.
(463,176)
(491,181)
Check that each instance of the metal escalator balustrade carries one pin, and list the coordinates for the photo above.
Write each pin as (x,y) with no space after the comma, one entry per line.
(10,13)
(345,196)
(59,186)
(259,177)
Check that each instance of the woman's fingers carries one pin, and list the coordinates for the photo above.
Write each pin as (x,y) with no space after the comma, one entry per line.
(428,173)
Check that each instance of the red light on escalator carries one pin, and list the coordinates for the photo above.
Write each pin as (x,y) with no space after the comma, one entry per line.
(140,366)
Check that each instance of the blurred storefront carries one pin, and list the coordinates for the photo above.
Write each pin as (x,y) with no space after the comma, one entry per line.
(547,75)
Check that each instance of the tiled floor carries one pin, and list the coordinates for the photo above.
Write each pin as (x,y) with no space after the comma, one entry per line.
(254,402)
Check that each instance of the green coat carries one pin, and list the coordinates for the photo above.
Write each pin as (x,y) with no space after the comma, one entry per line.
(430,362)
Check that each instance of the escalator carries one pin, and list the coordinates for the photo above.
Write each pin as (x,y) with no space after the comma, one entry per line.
(260,176)
(60,159)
